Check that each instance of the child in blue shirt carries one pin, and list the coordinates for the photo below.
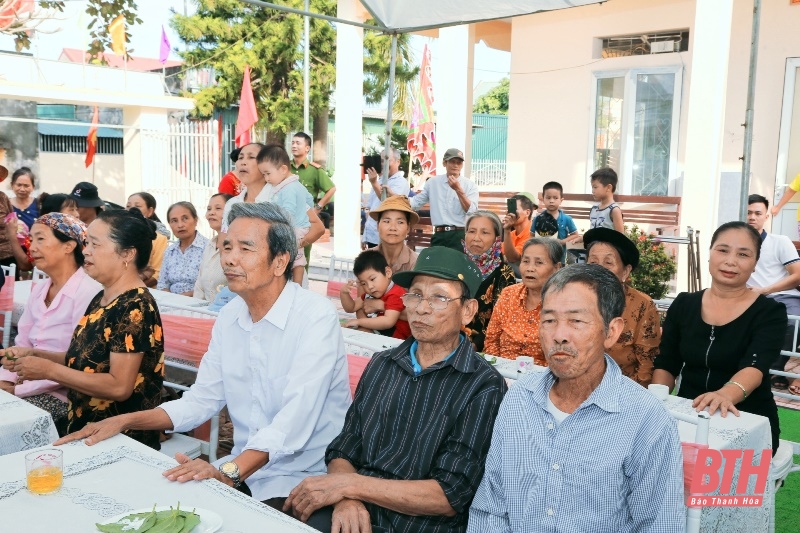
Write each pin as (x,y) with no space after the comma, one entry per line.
(291,195)
(553,222)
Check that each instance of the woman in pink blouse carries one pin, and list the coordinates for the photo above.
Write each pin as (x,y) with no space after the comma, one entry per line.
(54,308)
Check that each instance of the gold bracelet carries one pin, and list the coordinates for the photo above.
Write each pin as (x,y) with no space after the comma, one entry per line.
(744,391)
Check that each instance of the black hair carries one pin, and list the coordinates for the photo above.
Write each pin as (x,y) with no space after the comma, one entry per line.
(274,154)
(54,203)
(186,205)
(553,185)
(525,202)
(303,135)
(23,171)
(234,155)
(606,176)
(737,224)
(370,260)
(757,199)
(150,202)
(225,195)
(77,252)
(130,230)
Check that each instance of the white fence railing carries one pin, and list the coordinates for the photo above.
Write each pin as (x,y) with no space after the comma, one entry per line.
(488,172)
(789,375)
(182,164)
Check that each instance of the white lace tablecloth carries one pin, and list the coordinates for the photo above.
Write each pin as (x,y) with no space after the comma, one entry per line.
(23,426)
(117,476)
(363,343)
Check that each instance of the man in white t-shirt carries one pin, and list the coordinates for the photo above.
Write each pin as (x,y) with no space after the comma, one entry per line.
(777,273)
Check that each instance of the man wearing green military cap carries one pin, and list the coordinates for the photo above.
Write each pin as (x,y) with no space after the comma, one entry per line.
(411,454)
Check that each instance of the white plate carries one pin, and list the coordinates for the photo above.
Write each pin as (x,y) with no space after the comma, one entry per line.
(209,521)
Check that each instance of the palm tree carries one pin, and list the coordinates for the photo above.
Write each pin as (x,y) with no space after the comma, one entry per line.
(377,62)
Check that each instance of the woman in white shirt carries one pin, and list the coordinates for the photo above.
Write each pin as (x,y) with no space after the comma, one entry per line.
(211,278)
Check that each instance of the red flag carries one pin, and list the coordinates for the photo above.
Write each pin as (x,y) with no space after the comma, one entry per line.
(248,115)
(421,132)
(91,140)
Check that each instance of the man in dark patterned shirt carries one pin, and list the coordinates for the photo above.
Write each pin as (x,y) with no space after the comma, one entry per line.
(412,450)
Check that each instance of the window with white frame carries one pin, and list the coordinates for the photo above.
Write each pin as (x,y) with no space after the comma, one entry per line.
(636,116)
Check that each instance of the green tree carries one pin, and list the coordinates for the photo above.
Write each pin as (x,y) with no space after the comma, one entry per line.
(226,35)
(102,13)
(377,62)
(656,267)
(495,102)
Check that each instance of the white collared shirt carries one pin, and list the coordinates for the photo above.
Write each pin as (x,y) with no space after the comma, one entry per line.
(263,196)
(446,208)
(285,382)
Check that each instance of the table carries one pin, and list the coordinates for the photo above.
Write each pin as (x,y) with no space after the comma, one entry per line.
(23,426)
(363,343)
(22,291)
(117,476)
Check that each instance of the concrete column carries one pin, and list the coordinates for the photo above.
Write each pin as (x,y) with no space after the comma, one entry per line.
(711,37)
(349,102)
(138,158)
(452,88)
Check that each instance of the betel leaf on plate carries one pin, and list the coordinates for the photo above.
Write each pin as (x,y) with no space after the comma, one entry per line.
(166,521)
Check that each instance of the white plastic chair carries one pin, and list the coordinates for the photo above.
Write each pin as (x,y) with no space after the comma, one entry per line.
(7,302)
(189,348)
(702,420)
(340,271)
(782,465)
(38,275)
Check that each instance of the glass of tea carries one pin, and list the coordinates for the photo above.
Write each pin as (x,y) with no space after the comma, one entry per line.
(44,470)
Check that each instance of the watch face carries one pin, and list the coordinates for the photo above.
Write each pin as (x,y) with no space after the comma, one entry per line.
(229,467)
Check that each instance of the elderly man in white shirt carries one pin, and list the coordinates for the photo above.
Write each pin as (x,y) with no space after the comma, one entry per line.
(452,197)
(397,184)
(287,391)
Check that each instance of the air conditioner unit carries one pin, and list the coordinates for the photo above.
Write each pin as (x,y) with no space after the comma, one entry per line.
(661,47)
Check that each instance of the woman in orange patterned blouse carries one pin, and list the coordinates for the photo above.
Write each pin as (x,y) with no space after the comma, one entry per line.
(637,346)
(115,360)
(514,327)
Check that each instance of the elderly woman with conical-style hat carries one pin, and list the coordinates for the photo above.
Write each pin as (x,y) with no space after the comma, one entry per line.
(395,219)
(637,346)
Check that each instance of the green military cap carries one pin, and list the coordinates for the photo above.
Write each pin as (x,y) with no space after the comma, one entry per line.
(530,197)
(453,153)
(444,263)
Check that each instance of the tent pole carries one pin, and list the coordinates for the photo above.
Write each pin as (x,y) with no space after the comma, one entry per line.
(387,145)
(748,117)
(306,66)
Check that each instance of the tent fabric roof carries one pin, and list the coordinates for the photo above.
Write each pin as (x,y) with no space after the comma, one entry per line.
(414,15)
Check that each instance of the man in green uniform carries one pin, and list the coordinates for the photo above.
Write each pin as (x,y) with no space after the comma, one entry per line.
(313,176)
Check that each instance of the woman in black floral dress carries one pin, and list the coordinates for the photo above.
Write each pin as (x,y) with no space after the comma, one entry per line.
(115,361)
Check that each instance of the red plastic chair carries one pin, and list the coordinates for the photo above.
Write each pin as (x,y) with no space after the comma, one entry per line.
(356,365)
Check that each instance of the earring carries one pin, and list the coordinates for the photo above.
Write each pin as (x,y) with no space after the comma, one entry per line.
(126,265)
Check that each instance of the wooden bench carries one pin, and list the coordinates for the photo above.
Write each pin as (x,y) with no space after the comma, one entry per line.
(663,212)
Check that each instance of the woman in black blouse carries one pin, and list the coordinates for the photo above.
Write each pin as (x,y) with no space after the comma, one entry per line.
(723,340)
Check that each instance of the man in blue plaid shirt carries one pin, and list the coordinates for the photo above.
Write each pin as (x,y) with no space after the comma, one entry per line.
(580,447)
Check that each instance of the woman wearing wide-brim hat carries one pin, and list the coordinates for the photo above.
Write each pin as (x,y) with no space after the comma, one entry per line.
(637,346)
(395,220)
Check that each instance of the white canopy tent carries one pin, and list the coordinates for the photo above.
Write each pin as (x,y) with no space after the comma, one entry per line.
(415,15)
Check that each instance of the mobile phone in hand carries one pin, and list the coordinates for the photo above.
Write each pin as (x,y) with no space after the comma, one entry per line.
(511,203)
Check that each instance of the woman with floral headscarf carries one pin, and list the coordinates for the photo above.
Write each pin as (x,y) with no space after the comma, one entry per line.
(54,308)
(483,244)
(115,360)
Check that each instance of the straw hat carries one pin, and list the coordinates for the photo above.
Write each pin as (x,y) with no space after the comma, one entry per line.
(3,172)
(395,203)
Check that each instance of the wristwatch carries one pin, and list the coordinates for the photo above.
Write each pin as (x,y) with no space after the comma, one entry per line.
(231,471)
(318,207)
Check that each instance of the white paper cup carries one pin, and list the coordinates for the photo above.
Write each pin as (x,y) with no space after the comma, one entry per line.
(659,391)
(524,364)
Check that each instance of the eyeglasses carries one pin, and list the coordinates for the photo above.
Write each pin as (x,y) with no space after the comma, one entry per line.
(437,303)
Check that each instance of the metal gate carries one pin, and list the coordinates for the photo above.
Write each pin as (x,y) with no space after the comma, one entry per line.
(182,164)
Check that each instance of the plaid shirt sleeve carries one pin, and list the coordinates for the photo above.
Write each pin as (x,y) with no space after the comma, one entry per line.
(459,467)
